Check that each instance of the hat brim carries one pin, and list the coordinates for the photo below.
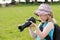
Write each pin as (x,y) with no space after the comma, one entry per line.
(39,12)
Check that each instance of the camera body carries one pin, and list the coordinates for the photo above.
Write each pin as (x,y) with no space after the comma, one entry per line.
(27,24)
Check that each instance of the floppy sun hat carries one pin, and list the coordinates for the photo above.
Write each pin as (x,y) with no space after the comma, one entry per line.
(43,9)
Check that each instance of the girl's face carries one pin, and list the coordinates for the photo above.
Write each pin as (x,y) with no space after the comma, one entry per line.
(43,17)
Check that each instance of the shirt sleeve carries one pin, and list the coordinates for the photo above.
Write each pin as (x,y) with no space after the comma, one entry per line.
(47,29)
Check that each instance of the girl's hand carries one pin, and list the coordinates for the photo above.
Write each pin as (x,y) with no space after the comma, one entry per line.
(33,24)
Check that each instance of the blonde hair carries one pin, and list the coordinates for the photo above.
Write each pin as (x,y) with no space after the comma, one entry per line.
(52,19)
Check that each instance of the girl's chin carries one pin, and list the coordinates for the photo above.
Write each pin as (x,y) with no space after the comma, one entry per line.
(43,21)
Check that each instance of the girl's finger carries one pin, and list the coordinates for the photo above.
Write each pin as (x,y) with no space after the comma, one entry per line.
(31,21)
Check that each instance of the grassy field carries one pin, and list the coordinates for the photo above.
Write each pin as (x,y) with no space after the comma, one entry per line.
(10,17)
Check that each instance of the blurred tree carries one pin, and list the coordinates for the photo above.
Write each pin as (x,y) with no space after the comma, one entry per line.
(51,1)
(13,2)
(27,1)
(46,1)
(35,1)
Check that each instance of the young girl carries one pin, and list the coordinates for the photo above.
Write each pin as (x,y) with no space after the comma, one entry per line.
(44,12)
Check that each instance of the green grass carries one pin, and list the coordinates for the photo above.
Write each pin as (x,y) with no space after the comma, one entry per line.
(10,17)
